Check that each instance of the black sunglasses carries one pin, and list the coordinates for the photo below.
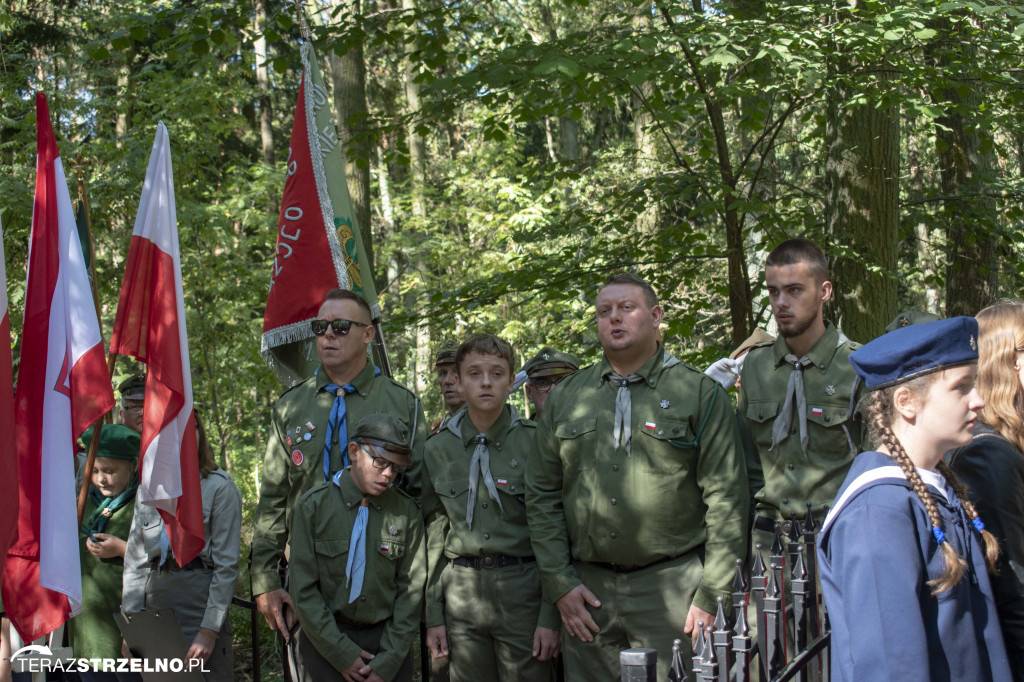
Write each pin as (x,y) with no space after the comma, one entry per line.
(339,326)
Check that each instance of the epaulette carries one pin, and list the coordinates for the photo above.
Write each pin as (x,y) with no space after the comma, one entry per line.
(399,385)
(298,385)
(523,421)
(317,489)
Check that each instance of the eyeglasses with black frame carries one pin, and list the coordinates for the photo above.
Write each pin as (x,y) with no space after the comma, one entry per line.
(340,326)
(544,384)
(382,463)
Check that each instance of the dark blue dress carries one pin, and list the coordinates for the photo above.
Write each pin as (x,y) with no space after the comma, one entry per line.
(877,553)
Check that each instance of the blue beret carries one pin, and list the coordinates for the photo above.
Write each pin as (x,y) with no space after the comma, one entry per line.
(908,352)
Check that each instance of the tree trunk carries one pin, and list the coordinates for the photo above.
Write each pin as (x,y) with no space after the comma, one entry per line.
(862,210)
(263,83)
(348,77)
(922,232)
(972,217)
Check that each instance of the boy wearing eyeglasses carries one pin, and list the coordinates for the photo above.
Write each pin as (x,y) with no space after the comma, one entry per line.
(358,563)
(311,428)
(484,601)
(543,371)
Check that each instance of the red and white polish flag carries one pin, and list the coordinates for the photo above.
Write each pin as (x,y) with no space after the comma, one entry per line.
(63,387)
(150,326)
(9,456)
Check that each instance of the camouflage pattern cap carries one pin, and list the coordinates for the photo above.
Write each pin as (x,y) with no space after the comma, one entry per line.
(446,353)
(550,362)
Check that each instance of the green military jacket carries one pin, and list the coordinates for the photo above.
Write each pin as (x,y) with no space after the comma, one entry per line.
(294,463)
(446,493)
(675,492)
(396,572)
(784,480)
(93,632)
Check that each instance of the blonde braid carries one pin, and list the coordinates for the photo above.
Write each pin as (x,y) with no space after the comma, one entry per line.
(878,408)
(991,544)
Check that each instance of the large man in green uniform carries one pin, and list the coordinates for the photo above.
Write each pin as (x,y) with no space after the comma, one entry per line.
(636,493)
(795,395)
(309,422)
(359,565)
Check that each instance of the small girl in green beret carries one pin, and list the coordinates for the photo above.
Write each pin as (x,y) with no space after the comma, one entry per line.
(105,525)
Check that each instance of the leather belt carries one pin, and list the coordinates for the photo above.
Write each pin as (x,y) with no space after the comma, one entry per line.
(767,525)
(620,568)
(196,564)
(490,561)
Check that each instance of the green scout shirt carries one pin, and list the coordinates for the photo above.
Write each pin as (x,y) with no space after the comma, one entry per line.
(93,632)
(445,496)
(292,465)
(784,479)
(396,572)
(593,503)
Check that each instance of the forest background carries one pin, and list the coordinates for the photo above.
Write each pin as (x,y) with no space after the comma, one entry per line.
(506,156)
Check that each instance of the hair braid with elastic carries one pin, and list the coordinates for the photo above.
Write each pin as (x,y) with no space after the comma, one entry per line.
(879,411)
(991,544)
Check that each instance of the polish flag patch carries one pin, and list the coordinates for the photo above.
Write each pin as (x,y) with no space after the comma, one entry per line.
(384,547)
(817,411)
(503,481)
(650,425)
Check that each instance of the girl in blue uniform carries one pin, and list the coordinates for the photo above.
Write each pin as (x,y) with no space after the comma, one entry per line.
(903,553)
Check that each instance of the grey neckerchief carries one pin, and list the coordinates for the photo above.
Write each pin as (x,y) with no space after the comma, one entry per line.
(622,432)
(795,391)
(481,462)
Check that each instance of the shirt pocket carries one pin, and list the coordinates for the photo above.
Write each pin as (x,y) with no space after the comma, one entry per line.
(152,528)
(391,547)
(672,448)
(453,493)
(576,444)
(331,559)
(512,493)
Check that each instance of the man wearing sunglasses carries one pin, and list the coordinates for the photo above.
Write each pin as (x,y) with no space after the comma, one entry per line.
(543,371)
(311,426)
(359,564)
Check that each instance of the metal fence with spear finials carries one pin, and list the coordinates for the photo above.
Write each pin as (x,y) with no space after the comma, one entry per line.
(792,634)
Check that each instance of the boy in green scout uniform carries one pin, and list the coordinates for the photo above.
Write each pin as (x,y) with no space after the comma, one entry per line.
(543,371)
(636,493)
(358,563)
(106,523)
(794,396)
(484,593)
(309,434)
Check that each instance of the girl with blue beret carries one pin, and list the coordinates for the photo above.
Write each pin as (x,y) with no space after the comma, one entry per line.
(903,553)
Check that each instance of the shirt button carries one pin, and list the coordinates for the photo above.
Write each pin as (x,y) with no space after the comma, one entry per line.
(660,431)
(453,491)
(484,505)
(614,501)
(615,467)
(498,444)
(827,418)
(822,366)
(574,430)
(785,500)
(843,413)
(512,486)
(791,467)
(487,536)
(362,598)
(792,431)
(760,415)
(614,535)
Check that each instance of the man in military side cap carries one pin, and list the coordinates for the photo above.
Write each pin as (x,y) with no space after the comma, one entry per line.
(359,564)
(543,371)
(447,381)
(910,317)
(133,395)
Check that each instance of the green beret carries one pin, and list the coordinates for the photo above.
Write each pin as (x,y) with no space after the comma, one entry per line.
(133,388)
(446,353)
(117,441)
(387,433)
(909,317)
(550,362)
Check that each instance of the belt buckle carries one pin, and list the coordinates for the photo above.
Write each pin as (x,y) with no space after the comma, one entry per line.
(488,562)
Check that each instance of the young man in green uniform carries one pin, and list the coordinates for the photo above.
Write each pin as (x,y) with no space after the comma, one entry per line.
(451,391)
(309,422)
(636,493)
(358,563)
(794,396)
(543,371)
(484,594)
